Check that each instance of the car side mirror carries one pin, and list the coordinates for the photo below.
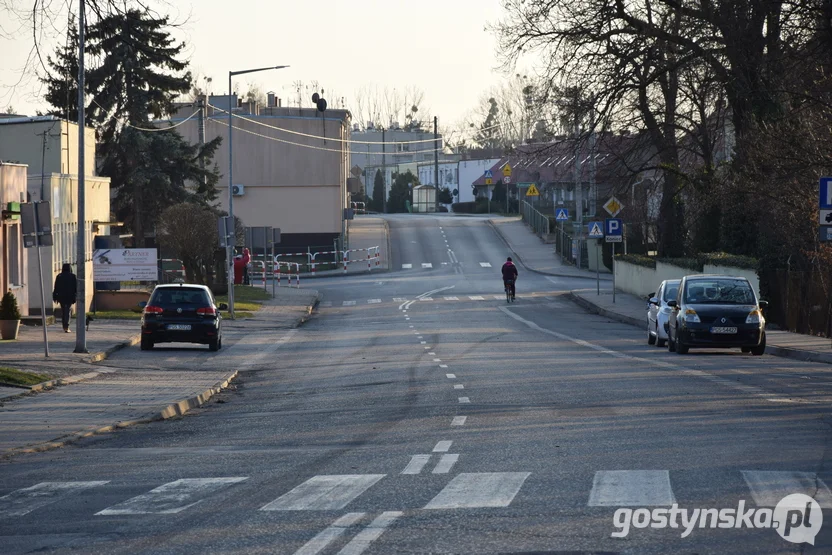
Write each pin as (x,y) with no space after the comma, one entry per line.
(672,304)
(653,294)
(654,300)
(223,306)
(763,304)
(142,304)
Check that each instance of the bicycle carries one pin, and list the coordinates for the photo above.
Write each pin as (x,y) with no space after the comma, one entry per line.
(509,286)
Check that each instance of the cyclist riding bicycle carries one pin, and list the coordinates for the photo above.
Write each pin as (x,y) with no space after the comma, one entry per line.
(509,275)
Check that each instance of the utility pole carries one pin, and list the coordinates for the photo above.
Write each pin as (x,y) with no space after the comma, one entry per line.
(201,131)
(81,310)
(384,171)
(436,164)
(579,204)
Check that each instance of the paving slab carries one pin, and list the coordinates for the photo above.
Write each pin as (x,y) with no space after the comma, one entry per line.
(112,398)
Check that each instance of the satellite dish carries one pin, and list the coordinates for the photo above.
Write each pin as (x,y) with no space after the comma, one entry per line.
(321,104)
(315,97)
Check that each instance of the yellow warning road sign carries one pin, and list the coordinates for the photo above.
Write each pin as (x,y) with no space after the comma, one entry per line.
(613,206)
(507,170)
(489,181)
(532,192)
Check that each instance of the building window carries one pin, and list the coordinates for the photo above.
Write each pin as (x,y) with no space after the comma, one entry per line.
(402,147)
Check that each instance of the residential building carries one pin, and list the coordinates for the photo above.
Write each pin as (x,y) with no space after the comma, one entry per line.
(49,146)
(394,147)
(448,173)
(469,172)
(291,166)
(13,261)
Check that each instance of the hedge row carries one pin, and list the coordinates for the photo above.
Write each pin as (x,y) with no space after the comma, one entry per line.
(696,263)
(637,259)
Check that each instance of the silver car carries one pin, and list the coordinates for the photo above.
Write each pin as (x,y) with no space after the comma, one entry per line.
(658,312)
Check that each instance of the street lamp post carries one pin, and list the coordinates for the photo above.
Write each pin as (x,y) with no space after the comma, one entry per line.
(233,230)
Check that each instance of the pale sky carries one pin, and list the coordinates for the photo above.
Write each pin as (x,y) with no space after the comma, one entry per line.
(440,46)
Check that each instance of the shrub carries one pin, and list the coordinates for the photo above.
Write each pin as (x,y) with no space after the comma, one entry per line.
(694,264)
(733,260)
(8,307)
(637,259)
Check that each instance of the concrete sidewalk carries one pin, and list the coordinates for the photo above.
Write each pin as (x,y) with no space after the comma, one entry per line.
(104,399)
(534,254)
(632,310)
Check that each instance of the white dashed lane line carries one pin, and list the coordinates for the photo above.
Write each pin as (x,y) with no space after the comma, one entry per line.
(459,420)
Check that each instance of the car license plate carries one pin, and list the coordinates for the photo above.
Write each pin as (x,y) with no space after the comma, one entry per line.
(724,330)
(179,327)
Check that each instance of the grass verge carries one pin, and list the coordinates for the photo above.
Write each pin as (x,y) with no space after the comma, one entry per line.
(16,377)
(247,300)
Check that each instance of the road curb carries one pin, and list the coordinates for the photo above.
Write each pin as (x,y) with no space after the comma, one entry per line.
(595,309)
(773,350)
(177,408)
(534,270)
(103,355)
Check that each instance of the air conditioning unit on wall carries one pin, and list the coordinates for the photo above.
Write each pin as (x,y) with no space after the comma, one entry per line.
(238,190)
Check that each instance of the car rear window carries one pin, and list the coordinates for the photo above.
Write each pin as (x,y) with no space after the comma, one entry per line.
(670,292)
(719,291)
(180,296)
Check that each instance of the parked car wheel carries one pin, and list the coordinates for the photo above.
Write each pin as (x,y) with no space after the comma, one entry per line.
(681,348)
(745,349)
(214,344)
(760,349)
(659,341)
(146,344)
(651,339)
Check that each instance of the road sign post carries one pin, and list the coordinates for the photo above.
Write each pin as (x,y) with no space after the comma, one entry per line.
(36,224)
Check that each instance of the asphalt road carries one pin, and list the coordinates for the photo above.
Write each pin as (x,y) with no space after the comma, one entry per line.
(418,412)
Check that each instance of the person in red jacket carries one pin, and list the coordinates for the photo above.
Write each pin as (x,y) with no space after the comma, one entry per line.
(246,266)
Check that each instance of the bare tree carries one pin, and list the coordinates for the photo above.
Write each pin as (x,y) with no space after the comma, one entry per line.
(385,107)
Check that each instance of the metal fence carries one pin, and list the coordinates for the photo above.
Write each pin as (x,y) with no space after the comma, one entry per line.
(539,223)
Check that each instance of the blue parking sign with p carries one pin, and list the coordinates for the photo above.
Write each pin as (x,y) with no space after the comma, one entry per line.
(613,226)
(825,201)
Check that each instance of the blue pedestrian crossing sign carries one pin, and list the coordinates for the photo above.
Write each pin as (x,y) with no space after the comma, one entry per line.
(562,214)
(613,230)
(595,231)
(825,201)
(488,174)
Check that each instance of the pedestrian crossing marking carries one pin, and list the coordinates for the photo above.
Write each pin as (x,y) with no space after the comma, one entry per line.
(326,304)
(349,303)
(445,464)
(476,298)
(324,493)
(23,501)
(485,264)
(427,265)
(631,488)
(416,464)
(361,542)
(426,299)
(329,535)
(171,498)
(374,301)
(479,490)
(407,266)
(399,299)
(451,298)
(769,487)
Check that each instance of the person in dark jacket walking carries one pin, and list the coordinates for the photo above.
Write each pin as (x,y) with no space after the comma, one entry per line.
(509,276)
(64,293)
